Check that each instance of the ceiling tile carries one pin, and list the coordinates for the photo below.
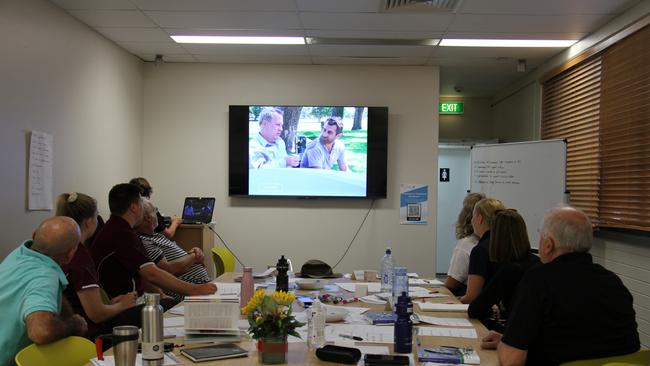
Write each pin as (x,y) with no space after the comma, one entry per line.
(135,34)
(547,7)
(95,4)
(369,51)
(380,22)
(263,59)
(343,6)
(246,50)
(212,5)
(113,18)
(152,48)
(528,23)
(403,61)
(225,20)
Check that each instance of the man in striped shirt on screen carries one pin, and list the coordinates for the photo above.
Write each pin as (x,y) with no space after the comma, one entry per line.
(186,266)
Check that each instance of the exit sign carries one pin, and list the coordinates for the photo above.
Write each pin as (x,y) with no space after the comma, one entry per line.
(452,107)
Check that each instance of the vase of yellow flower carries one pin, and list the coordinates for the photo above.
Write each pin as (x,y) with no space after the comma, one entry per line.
(271,321)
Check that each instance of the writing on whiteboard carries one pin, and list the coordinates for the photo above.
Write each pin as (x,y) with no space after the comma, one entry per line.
(496,171)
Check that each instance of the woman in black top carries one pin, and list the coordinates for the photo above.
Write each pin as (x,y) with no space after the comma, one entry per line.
(510,249)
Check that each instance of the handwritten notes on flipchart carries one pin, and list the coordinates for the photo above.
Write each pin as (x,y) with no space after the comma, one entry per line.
(39,176)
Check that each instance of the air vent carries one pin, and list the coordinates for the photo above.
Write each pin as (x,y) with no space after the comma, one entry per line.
(419,6)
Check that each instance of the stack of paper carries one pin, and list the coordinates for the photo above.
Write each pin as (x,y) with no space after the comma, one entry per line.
(430,306)
(211,318)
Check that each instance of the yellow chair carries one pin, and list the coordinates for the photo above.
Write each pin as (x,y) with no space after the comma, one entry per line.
(70,351)
(223,260)
(640,358)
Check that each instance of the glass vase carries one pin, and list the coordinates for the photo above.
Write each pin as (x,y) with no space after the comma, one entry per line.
(272,350)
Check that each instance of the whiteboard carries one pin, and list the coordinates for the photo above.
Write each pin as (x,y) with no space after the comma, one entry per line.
(526,176)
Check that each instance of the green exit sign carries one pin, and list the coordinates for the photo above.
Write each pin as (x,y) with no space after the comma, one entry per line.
(452,108)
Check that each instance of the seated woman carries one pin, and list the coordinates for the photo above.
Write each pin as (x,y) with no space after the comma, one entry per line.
(466,240)
(509,246)
(480,268)
(83,291)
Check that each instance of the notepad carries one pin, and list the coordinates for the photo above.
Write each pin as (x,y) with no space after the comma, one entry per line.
(214,352)
(431,306)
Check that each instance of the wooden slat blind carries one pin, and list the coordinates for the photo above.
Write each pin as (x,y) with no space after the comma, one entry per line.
(625,134)
(571,111)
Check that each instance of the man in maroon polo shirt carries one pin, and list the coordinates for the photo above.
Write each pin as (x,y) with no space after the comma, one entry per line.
(122,262)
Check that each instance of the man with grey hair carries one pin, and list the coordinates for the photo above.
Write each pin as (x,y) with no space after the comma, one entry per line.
(267,149)
(31,288)
(569,308)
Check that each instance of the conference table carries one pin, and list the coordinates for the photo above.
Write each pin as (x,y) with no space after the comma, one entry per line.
(300,354)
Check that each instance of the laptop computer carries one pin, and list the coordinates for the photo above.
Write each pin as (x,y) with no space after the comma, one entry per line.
(198,210)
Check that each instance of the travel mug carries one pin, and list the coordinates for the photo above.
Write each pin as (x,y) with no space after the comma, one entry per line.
(125,345)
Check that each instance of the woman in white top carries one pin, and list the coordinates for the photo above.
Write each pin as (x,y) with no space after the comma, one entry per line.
(459,264)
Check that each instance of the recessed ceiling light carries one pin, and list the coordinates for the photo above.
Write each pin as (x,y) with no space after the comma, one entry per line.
(506,43)
(238,40)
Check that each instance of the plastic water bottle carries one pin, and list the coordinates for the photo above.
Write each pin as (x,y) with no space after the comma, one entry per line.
(152,330)
(400,284)
(403,336)
(387,266)
(247,286)
(316,325)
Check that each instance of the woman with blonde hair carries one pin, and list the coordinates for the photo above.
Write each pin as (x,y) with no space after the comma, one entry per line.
(83,291)
(466,240)
(480,268)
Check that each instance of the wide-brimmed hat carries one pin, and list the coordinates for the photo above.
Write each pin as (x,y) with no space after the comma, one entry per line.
(315,268)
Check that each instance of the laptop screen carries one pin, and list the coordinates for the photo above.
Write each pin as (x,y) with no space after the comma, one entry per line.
(198,209)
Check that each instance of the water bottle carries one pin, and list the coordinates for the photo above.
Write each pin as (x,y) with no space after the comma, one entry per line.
(316,325)
(403,336)
(152,330)
(247,286)
(282,279)
(400,284)
(387,271)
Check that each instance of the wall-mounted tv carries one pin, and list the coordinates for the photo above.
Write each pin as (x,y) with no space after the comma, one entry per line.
(308,151)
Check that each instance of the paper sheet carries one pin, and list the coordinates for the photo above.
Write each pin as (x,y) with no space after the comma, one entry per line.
(430,306)
(227,288)
(421,281)
(177,310)
(450,322)
(369,333)
(171,332)
(350,286)
(169,360)
(173,321)
(39,171)
(447,332)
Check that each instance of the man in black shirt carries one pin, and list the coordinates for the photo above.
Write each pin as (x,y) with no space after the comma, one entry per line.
(569,308)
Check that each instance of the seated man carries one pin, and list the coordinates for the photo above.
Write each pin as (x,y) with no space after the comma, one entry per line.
(568,308)
(267,149)
(31,288)
(121,259)
(187,266)
(328,149)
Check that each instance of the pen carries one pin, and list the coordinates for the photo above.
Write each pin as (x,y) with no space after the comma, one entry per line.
(351,337)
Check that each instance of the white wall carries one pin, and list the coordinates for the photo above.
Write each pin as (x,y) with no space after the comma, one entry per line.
(60,77)
(186,153)
(517,117)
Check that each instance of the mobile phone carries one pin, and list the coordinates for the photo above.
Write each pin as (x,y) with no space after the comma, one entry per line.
(379,360)
(305,301)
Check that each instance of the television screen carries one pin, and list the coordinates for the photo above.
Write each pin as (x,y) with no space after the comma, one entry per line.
(308,151)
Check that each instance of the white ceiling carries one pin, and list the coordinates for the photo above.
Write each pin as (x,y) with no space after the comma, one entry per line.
(143,27)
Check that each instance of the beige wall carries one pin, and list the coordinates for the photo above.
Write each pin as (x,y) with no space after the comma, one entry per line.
(475,124)
(185,153)
(516,118)
(59,77)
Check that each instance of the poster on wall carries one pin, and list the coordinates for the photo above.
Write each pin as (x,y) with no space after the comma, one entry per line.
(414,204)
(39,174)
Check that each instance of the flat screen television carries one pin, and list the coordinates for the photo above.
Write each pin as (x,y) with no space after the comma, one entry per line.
(308,151)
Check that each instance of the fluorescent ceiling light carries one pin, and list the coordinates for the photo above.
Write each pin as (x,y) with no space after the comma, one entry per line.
(506,43)
(238,40)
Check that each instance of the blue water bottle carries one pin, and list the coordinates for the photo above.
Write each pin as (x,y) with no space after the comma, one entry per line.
(403,338)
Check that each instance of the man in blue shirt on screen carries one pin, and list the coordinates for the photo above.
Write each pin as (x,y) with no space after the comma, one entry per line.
(267,149)
(328,149)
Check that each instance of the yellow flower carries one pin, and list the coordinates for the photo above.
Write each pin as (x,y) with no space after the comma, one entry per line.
(283,298)
(254,302)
